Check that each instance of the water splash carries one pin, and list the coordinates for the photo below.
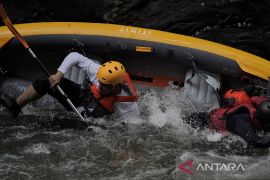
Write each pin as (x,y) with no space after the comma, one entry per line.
(38,149)
(152,146)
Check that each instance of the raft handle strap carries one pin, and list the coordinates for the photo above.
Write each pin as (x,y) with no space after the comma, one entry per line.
(80,45)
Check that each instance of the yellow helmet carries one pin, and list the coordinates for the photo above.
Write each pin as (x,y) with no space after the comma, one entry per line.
(111,72)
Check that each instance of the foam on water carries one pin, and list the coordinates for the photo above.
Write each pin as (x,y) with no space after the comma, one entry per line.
(10,157)
(214,136)
(39,148)
(151,146)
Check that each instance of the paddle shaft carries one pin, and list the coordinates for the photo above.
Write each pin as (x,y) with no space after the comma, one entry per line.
(10,26)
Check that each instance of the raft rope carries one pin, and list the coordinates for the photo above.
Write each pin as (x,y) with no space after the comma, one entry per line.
(80,45)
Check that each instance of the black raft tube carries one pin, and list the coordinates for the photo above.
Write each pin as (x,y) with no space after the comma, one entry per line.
(268,89)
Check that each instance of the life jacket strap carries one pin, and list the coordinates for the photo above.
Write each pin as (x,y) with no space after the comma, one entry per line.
(108,101)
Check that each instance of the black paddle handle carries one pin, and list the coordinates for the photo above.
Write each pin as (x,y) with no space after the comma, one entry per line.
(39,62)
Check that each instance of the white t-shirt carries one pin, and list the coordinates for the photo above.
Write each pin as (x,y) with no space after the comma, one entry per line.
(90,67)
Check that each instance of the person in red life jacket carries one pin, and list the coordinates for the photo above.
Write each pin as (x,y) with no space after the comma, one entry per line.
(107,89)
(242,115)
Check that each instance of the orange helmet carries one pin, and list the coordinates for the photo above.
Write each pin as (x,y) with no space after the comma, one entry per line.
(236,97)
(111,72)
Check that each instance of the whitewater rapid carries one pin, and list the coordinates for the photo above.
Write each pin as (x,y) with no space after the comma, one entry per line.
(150,147)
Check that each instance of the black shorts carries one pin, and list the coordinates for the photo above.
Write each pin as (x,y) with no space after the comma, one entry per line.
(72,90)
(79,96)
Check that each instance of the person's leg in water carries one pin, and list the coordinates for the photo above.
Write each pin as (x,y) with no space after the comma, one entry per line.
(14,105)
(37,90)
(27,96)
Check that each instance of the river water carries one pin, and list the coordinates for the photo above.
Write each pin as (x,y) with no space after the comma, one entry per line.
(150,147)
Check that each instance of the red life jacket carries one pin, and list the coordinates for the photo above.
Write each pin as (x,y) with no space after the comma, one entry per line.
(218,117)
(108,101)
(256,100)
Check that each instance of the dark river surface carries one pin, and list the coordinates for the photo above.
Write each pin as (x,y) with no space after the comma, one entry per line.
(41,144)
(150,147)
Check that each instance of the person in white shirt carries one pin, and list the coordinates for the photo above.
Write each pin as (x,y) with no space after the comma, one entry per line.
(108,89)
